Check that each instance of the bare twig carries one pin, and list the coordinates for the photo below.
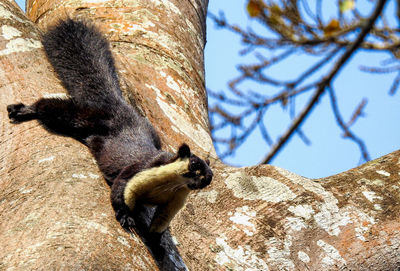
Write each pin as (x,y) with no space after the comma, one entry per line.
(357,113)
(347,133)
(395,85)
(294,33)
(324,83)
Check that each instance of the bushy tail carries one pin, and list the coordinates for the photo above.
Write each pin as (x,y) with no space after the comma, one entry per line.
(82,59)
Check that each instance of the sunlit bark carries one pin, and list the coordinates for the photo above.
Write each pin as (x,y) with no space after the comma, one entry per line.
(54,205)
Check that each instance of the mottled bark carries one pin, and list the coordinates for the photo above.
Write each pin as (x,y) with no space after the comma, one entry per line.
(54,205)
(159,49)
(266,218)
(55,211)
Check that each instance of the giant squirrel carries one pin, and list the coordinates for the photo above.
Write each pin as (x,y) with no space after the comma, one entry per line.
(124,143)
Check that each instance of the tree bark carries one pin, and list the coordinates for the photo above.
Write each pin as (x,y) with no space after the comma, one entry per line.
(54,206)
(55,211)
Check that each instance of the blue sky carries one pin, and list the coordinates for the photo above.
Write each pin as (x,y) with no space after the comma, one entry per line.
(329,153)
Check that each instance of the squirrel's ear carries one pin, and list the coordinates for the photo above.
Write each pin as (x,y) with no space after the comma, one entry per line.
(207,162)
(184,151)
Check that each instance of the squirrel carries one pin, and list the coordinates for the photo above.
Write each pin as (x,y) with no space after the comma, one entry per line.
(123,142)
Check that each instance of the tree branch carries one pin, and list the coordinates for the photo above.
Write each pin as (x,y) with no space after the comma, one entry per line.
(345,127)
(325,83)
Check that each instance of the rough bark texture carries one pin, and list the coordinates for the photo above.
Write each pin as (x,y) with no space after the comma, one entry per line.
(159,49)
(54,206)
(55,211)
(267,218)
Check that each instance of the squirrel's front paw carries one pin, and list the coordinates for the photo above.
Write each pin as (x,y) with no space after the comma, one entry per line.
(17,112)
(125,220)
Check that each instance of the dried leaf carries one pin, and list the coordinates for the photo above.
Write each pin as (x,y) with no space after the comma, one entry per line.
(254,8)
(347,5)
(332,27)
(275,9)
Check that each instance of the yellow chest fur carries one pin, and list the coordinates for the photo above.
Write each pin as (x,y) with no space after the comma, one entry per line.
(158,185)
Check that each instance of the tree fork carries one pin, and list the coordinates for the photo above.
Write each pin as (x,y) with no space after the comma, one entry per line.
(54,206)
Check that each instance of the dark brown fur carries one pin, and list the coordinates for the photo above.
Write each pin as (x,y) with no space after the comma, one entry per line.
(122,141)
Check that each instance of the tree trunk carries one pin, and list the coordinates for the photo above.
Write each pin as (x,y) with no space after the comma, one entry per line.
(55,211)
